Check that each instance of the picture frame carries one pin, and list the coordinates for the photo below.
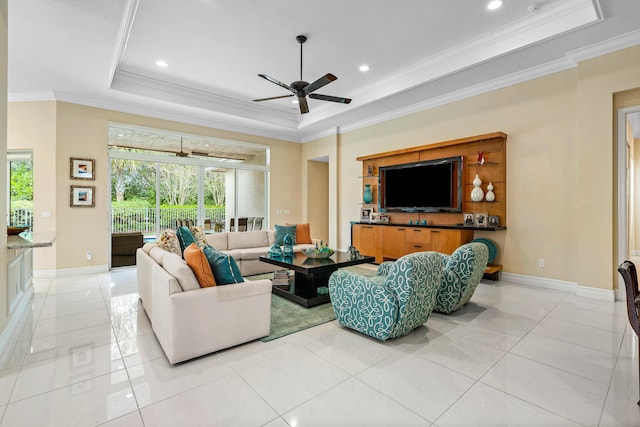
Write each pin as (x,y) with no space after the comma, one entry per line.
(468,219)
(82,168)
(82,196)
(494,221)
(480,219)
(365,214)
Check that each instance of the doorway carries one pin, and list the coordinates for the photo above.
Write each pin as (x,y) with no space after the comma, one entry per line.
(318,196)
(628,218)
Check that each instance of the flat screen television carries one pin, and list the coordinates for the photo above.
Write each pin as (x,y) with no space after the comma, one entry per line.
(428,186)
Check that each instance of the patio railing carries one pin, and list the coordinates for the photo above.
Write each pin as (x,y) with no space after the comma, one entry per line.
(22,216)
(144,219)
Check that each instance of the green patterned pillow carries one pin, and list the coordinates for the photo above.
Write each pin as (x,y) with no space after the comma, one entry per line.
(224,267)
(283,230)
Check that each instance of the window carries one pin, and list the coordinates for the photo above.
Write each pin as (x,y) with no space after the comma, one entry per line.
(20,194)
(158,178)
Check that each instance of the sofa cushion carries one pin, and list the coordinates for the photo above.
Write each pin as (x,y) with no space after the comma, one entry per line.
(283,230)
(148,246)
(224,267)
(253,253)
(247,239)
(178,268)
(199,235)
(218,241)
(199,264)
(158,254)
(185,237)
(169,242)
(303,233)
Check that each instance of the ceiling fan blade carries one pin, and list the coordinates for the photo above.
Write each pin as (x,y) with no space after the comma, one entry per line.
(330,98)
(302,102)
(273,97)
(279,83)
(322,81)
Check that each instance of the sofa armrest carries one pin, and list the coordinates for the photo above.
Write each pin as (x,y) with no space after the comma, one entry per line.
(364,304)
(383,268)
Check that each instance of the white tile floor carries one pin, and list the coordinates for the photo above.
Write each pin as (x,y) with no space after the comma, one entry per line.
(514,356)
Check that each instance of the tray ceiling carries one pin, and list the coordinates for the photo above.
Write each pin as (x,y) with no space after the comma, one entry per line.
(420,53)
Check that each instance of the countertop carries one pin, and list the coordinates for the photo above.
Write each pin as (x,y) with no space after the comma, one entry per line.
(30,239)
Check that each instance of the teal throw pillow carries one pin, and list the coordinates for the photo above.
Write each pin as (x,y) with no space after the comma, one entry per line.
(283,230)
(185,237)
(224,267)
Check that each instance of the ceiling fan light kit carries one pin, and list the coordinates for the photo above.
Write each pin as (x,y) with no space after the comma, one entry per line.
(301,88)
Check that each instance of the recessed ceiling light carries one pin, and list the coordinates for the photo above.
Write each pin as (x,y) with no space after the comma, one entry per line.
(162,63)
(364,68)
(295,101)
(494,4)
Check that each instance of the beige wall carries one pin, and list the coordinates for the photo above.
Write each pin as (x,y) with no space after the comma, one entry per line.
(560,164)
(68,130)
(328,148)
(560,168)
(318,198)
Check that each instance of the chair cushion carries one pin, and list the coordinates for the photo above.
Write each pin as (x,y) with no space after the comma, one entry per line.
(224,267)
(199,264)
(283,230)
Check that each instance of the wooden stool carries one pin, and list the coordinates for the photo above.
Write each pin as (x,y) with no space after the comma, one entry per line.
(492,272)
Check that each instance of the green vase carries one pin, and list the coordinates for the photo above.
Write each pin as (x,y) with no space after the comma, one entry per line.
(367,196)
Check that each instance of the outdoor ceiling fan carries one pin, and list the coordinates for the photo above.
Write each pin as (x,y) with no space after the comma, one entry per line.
(301,88)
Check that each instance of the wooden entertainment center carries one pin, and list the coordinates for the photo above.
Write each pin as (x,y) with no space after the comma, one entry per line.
(406,232)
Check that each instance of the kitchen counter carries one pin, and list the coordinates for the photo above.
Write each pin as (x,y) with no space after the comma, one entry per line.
(30,239)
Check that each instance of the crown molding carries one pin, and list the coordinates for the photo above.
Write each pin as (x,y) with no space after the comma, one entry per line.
(31,96)
(140,84)
(604,47)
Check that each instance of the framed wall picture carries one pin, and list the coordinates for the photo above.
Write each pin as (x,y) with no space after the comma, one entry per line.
(82,196)
(481,219)
(82,168)
(468,219)
(494,221)
(365,214)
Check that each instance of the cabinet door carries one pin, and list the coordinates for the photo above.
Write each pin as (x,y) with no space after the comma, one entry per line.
(368,240)
(394,242)
(447,241)
(14,281)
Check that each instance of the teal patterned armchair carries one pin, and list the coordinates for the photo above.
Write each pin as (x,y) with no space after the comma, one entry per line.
(393,303)
(461,275)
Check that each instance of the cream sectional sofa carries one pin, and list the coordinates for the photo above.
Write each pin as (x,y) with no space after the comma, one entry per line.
(190,321)
(247,247)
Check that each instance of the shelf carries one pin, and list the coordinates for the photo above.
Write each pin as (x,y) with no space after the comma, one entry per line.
(482,164)
(368,176)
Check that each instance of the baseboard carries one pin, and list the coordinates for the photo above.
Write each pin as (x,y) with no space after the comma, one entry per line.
(13,327)
(69,272)
(561,285)
(540,282)
(596,293)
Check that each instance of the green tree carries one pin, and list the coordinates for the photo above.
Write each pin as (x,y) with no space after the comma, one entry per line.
(22,180)
(214,187)
(178,184)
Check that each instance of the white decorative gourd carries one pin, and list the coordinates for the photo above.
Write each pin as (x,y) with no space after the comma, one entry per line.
(477,194)
(490,196)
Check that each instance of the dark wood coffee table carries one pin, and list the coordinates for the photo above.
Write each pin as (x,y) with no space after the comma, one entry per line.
(311,274)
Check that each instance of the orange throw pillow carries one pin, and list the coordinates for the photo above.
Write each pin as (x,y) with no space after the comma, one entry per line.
(303,233)
(198,262)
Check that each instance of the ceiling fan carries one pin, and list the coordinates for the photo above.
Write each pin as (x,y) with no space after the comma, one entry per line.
(301,88)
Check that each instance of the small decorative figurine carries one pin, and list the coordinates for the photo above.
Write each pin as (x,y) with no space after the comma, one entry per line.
(481,157)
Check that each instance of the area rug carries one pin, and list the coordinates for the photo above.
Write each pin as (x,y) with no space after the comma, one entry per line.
(288,317)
